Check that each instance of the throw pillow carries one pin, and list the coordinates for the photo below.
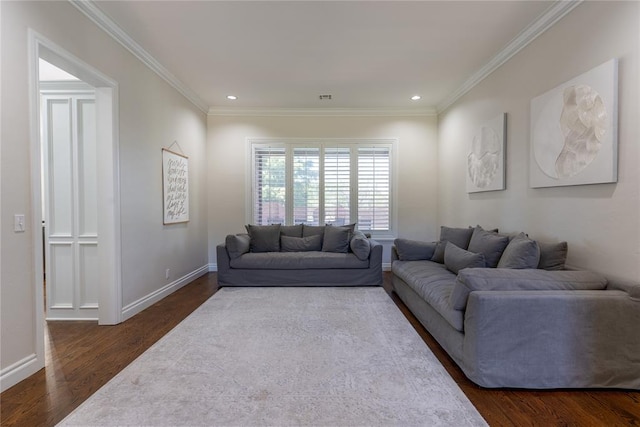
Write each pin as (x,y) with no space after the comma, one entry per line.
(521,252)
(237,244)
(458,236)
(291,230)
(414,250)
(264,238)
(360,245)
(455,259)
(552,255)
(336,239)
(438,253)
(300,244)
(312,230)
(489,244)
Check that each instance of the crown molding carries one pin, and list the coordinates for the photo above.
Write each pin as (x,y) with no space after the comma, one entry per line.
(553,14)
(93,12)
(322,112)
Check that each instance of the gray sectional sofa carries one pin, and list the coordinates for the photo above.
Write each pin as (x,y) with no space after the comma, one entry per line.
(528,323)
(300,255)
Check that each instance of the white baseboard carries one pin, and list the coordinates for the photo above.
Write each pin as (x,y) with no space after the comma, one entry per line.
(13,374)
(136,307)
(213,266)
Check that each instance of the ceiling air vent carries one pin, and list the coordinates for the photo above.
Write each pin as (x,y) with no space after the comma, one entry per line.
(325,97)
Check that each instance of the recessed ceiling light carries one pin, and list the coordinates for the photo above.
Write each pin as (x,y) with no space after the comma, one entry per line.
(415,97)
(232,97)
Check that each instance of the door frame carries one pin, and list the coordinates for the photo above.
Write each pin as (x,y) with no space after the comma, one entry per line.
(109,248)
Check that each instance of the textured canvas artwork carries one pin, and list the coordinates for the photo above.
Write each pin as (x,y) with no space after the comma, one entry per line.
(574,132)
(486,158)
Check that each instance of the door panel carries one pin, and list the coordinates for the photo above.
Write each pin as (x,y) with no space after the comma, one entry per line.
(71,237)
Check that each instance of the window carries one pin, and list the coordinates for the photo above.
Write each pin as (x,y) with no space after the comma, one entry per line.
(330,182)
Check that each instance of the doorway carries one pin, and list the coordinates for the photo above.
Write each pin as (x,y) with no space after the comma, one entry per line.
(69,189)
(105,260)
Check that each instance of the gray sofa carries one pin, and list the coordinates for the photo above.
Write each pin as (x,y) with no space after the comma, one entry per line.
(528,323)
(299,255)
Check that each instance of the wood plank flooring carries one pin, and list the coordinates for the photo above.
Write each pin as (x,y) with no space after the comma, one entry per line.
(82,357)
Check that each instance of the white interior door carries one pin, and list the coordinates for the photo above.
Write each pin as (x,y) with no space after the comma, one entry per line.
(71,207)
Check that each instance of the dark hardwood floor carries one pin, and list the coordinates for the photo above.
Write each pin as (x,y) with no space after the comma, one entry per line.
(82,357)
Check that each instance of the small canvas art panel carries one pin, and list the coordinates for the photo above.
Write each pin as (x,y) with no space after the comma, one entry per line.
(574,137)
(486,157)
(175,187)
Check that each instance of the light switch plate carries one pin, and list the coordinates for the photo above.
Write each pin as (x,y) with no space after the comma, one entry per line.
(18,223)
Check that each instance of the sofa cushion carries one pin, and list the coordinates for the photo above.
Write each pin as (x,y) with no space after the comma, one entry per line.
(414,250)
(297,261)
(434,283)
(552,255)
(521,252)
(484,279)
(336,239)
(489,244)
(291,230)
(360,245)
(300,244)
(458,236)
(237,244)
(455,259)
(312,230)
(264,238)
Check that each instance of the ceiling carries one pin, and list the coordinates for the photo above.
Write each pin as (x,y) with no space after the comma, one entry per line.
(366,54)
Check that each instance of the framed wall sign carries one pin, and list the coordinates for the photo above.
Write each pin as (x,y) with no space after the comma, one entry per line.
(175,187)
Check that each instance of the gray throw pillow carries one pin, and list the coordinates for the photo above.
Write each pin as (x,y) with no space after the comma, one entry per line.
(489,244)
(521,252)
(438,253)
(237,244)
(455,259)
(552,255)
(414,250)
(264,238)
(312,230)
(360,245)
(458,236)
(300,244)
(291,230)
(336,239)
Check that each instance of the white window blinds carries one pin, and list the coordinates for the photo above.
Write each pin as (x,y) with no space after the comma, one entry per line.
(374,181)
(323,183)
(269,198)
(337,185)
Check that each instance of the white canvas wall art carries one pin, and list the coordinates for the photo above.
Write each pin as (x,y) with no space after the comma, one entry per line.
(574,137)
(486,158)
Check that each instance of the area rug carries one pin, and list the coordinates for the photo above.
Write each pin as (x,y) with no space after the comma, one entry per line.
(284,357)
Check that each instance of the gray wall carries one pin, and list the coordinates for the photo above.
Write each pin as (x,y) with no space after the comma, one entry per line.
(151,116)
(416,165)
(600,222)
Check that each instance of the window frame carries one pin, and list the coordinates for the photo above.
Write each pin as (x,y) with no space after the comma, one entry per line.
(289,144)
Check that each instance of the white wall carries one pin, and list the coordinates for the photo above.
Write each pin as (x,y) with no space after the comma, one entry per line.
(417,164)
(151,115)
(600,222)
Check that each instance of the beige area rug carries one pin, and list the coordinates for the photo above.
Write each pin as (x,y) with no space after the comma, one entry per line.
(283,357)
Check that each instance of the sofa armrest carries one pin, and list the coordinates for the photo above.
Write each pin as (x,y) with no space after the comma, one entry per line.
(394,254)
(506,279)
(550,339)
(223,259)
(375,257)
